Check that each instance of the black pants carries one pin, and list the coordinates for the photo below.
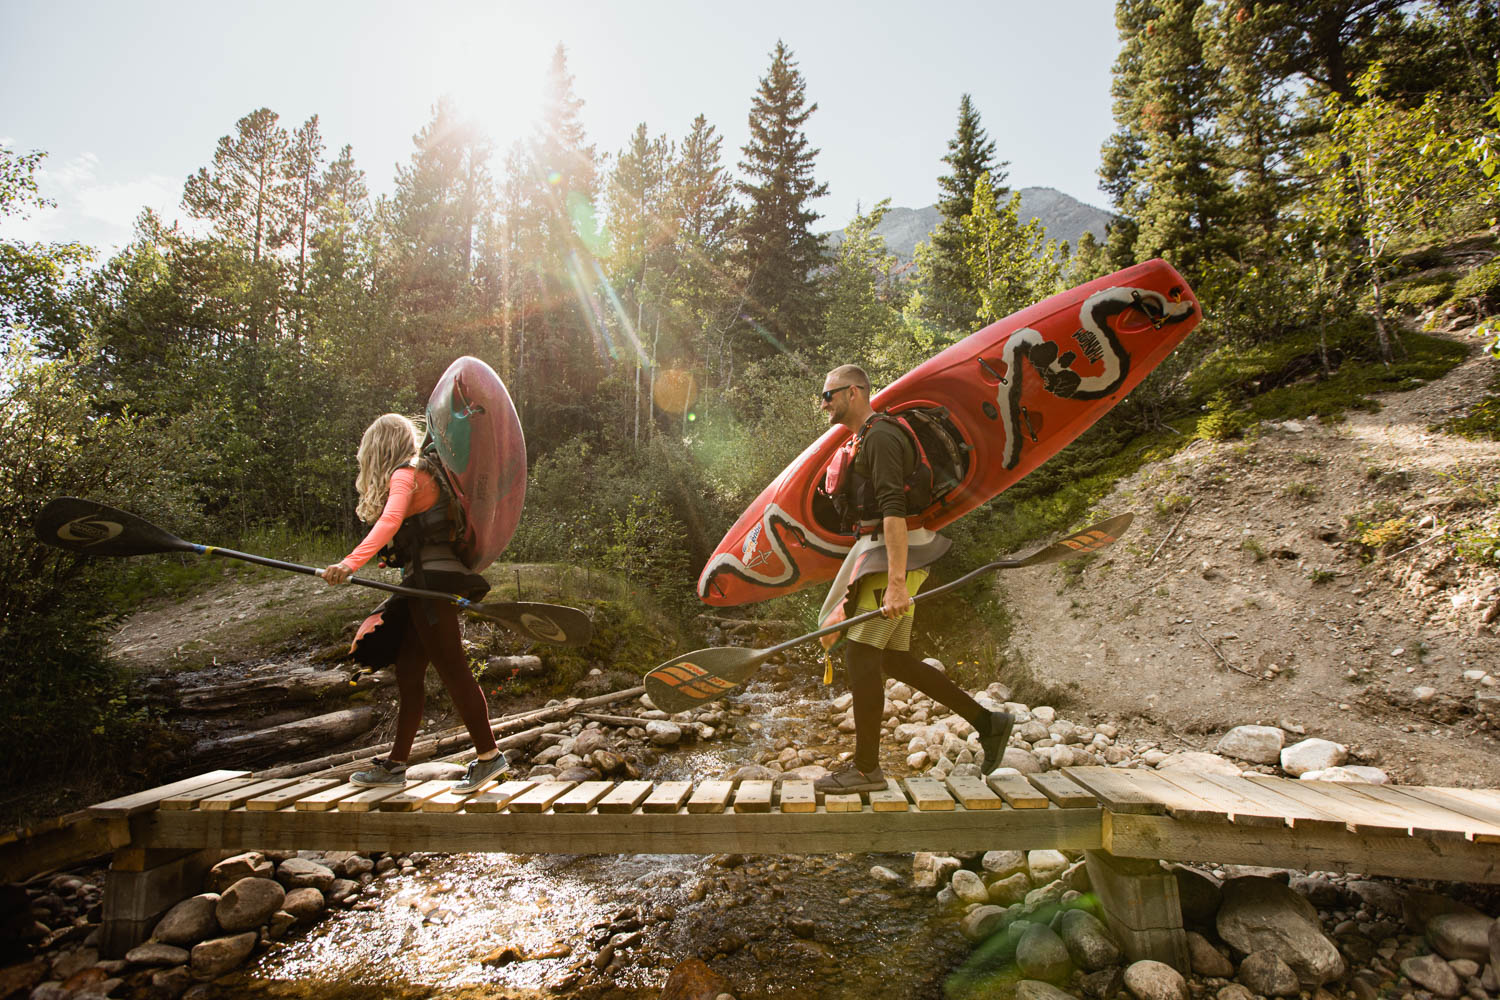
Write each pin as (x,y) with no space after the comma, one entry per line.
(868,668)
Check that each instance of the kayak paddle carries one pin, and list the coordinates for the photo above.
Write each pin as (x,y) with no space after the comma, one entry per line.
(95,529)
(706,674)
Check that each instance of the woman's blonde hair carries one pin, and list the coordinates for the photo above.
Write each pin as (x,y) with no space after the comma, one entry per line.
(389,443)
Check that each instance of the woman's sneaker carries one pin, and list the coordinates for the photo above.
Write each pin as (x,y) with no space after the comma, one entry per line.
(850,781)
(481,771)
(382,772)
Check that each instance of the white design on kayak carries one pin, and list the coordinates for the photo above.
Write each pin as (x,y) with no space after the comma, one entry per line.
(745,565)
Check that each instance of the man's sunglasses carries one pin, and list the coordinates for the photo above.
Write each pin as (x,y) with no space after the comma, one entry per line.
(828,394)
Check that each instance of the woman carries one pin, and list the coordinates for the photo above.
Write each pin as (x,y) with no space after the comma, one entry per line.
(404,495)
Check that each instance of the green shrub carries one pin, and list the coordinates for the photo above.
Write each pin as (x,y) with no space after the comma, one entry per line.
(1480,286)
(1416,295)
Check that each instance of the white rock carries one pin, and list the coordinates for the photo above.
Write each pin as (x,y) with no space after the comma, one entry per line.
(1045,865)
(663,734)
(1312,755)
(1198,763)
(1045,714)
(1423,693)
(1257,744)
(969,887)
(917,761)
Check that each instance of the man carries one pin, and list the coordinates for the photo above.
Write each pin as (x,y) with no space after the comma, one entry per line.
(883,570)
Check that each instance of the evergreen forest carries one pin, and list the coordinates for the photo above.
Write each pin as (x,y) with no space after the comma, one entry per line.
(664,313)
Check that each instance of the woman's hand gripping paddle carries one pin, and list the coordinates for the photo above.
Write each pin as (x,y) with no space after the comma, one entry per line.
(94,529)
(695,678)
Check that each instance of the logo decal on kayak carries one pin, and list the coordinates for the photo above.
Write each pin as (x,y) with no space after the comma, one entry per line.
(1100,345)
(767,534)
(752,554)
(89,530)
(542,627)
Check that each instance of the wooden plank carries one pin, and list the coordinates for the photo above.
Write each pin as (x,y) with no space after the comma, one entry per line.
(667,797)
(754,796)
(287,796)
(498,797)
(711,797)
(798,797)
(584,797)
(233,800)
(449,801)
(626,797)
(326,799)
(366,800)
(541,797)
(973,793)
(411,799)
(1114,791)
(846,803)
(139,802)
(889,800)
(191,798)
(1454,799)
(1262,805)
(1213,801)
(1183,796)
(1427,816)
(1017,792)
(1064,792)
(1356,816)
(928,794)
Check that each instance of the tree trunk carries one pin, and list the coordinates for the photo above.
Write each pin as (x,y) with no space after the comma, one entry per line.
(279,689)
(318,731)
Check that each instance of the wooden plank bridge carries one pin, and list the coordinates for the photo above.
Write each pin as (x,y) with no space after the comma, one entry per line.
(1125,821)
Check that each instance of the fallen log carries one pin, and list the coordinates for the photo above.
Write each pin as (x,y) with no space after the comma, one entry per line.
(320,730)
(454,737)
(312,685)
(625,721)
(506,667)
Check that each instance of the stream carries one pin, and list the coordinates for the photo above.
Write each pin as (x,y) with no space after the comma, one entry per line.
(593,926)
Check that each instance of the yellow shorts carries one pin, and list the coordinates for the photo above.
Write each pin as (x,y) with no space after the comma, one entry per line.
(883,632)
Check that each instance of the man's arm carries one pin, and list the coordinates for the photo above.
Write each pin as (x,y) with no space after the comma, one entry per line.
(897,600)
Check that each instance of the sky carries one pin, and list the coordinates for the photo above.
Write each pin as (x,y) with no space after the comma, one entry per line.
(129,97)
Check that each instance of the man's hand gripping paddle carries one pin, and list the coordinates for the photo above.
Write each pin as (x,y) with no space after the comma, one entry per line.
(94,529)
(695,678)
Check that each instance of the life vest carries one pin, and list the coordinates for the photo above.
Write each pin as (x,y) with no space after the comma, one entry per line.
(426,540)
(853,494)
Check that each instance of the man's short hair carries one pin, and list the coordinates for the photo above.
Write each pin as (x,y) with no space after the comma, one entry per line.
(851,375)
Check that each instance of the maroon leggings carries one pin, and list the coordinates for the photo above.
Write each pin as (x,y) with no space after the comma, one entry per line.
(434,638)
(867,669)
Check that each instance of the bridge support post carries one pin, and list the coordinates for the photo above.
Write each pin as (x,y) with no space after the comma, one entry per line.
(143,884)
(1141,906)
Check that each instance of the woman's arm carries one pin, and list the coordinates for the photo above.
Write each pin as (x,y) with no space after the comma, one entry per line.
(403,484)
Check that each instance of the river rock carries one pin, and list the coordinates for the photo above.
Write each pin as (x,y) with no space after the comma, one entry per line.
(694,980)
(1035,989)
(663,734)
(1382,897)
(1023,761)
(1419,907)
(156,953)
(1011,889)
(1003,863)
(1149,980)
(1088,941)
(190,921)
(929,870)
(249,903)
(1041,954)
(1206,959)
(305,903)
(1312,755)
(1105,984)
(1262,914)
(67,964)
(280,922)
(251,864)
(1263,972)
(300,873)
(1197,762)
(168,983)
(1233,991)
(1432,973)
(969,887)
(216,956)
(590,740)
(1045,865)
(1257,744)
(982,921)
(1460,935)
(1199,893)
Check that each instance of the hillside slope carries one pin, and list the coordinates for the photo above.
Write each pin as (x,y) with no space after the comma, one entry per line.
(1310,576)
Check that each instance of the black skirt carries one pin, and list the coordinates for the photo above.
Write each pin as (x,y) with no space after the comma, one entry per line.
(379,637)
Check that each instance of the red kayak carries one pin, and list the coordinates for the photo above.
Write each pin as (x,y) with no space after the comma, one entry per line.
(988,410)
(473,422)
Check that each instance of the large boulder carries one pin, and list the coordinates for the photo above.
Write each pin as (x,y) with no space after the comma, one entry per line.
(1088,941)
(1262,914)
(1045,865)
(1041,954)
(1257,744)
(1312,755)
(1431,973)
(301,873)
(305,904)
(982,921)
(1461,935)
(216,956)
(1002,864)
(249,903)
(969,887)
(189,922)
(1150,980)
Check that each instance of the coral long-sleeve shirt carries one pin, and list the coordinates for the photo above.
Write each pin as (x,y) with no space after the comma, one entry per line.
(411,492)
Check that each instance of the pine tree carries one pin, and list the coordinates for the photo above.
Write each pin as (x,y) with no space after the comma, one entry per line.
(706,283)
(303,192)
(780,251)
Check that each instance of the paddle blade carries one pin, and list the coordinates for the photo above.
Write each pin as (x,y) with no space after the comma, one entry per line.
(92,528)
(697,678)
(553,623)
(1090,539)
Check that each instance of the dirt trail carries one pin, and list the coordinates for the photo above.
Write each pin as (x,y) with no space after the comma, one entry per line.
(1259,609)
